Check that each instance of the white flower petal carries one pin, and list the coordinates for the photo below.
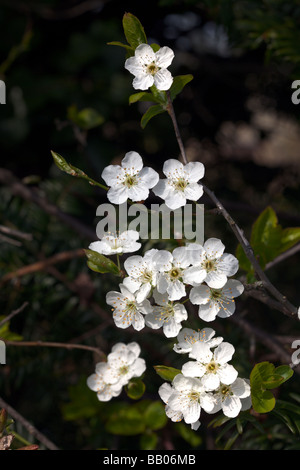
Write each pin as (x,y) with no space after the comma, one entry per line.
(117,194)
(143,82)
(172,168)
(224,352)
(210,381)
(112,174)
(164,57)
(192,413)
(208,312)
(149,177)
(171,328)
(227,374)
(162,188)
(214,248)
(165,391)
(175,199)
(200,295)
(193,369)
(229,264)
(176,290)
(194,275)
(163,79)
(193,191)
(195,171)
(144,54)
(231,406)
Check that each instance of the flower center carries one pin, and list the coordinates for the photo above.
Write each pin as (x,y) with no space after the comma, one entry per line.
(165,313)
(130,180)
(152,68)
(147,276)
(193,395)
(175,274)
(212,367)
(209,265)
(225,391)
(130,306)
(180,184)
(123,370)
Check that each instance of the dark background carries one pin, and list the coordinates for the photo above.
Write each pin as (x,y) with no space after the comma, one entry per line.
(236,116)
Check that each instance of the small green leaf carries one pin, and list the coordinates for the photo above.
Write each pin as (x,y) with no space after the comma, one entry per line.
(150,113)
(100,264)
(129,49)
(264,377)
(6,334)
(133,30)
(143,96)
(148,440)
(135,389)
(166,373)
(126,422)
(86,119)
(155,416)
(178,84)
(155,47)
(63,165)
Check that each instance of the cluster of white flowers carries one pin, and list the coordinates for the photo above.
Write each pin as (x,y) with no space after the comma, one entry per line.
(207,382)
(123,363)
(158,283)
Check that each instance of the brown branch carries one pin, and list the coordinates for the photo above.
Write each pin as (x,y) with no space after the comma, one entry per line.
(42,265)
(289,309)
(49,344)
(13,313)
(27,425)
(19,189)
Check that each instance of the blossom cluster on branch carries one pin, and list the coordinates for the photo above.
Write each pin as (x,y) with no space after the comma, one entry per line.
(158,283)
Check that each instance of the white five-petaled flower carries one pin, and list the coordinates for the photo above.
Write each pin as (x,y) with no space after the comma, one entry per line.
(150,68)
(187,337)
(125,242)
(216,302)
(96,382)
(130,180)
(210,264)
(211,367)
(124,363)
(186,398)
(233,398)
(180,184)
(142,274)
(126,310)
(171,267)
(166,314)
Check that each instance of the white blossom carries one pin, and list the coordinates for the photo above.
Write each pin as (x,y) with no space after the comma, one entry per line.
(150,68)
(171,267)
(210,264)
(211,366)
(97,383)
(216,302)
(125,242)
(233,398)
(166,314)
(124,363)
(180,184)
(186,398)
(142,274)
(187,337)
(126,309)
(130,180)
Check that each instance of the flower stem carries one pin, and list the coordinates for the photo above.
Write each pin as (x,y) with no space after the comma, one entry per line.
(171,113)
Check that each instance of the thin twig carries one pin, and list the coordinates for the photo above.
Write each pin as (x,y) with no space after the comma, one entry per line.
(19,189)
(13,313)
(42,265)
(288,307)
(26,424)
(49,344)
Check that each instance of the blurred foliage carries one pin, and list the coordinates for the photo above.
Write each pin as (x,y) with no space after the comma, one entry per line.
(68,92)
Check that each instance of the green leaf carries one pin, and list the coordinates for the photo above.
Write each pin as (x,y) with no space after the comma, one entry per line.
(143,96)
(264,376)
(190,436)
(133,30)
(6,334)
(63,165)
(135,389)
(86,119)
(166,373)
(268,240)
(155,416)
(150,113)
(148,440)
(178,84)
(100,263)
(126,422)
(129,49)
